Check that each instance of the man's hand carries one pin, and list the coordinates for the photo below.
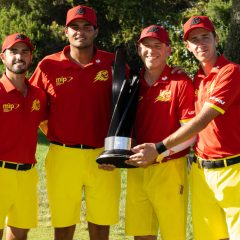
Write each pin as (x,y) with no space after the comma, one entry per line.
(177,70)
(145,155)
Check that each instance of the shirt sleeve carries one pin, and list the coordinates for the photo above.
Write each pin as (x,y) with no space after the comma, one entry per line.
(225,88)
(38,77)
(186,109)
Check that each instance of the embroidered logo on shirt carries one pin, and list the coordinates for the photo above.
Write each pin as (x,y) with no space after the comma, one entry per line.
(36,105)
(211,87)
(62,80)
(164,96)
(191,112)
(101,76)
(8,107)
(196,92)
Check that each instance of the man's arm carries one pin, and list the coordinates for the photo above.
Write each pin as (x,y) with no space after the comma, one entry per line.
(147,153)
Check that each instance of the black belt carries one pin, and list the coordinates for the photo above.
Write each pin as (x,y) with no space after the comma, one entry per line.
(205,163)
(16,166)
(81,146)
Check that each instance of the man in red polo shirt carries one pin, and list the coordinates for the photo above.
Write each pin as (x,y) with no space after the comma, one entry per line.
(78,82)
(216,168)
(23,107)
(157,195)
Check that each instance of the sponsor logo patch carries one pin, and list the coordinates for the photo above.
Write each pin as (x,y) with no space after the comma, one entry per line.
(217,100)
(62,80)
(191,112)
(8,107)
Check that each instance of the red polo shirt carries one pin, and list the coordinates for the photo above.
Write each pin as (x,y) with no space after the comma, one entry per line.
(80,97)
(163,107)
(20,117)
(220,90)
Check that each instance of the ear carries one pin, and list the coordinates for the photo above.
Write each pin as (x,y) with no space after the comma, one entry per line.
(66,31)
(96,33)
(2,56)
(187,46)
(139,49)
(31,57)
(216,40)
(169,50)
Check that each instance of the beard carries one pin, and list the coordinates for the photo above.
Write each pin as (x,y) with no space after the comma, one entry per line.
(18,69)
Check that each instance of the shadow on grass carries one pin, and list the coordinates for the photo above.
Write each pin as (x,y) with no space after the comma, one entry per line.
(42,138)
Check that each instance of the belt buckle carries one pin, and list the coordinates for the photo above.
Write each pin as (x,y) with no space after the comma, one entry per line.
(225,162)
(81,146)
(199,161)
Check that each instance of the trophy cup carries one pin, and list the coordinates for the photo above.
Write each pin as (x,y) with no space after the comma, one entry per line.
(118,143)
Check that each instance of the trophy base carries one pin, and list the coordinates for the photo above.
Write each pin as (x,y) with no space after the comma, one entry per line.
(116,158)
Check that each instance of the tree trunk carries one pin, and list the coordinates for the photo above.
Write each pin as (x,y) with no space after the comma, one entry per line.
(232,48)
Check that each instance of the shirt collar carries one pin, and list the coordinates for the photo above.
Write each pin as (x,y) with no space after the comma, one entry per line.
(8,84)
(221,61)
(164,77)
(95,60)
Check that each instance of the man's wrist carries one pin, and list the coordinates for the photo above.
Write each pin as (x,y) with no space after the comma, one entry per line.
(160,147)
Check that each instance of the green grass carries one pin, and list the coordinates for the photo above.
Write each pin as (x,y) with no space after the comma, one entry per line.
(44,231)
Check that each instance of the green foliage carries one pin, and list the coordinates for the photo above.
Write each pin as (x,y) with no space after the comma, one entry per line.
(120,22)
(232,50)
(12,20)
(219,11)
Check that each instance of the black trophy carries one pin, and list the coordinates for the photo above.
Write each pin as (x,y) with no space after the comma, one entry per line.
(118,143)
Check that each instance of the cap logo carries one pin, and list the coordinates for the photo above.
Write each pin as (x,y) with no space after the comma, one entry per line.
(20,36)
(153,29)
(81,11)
(195,21)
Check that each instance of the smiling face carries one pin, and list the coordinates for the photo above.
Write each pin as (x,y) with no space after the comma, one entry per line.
(17,58)
(81,34)
(202,44)
(153,53)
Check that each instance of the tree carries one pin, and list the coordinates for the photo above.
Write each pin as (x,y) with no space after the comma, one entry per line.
(232,50)
(120,22)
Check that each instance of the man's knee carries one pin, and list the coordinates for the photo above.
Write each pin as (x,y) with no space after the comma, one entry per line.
(16,233)
(149,237)
(98,232)
(65,233)
(1,234)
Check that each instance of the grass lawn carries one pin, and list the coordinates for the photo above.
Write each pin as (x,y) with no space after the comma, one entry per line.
(44,230)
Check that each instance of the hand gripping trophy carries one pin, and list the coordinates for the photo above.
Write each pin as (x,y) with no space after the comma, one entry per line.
(118,143)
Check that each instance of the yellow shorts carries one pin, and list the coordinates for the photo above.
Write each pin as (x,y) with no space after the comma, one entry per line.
(216,202)
(18,198)
(157,199)
(72,171)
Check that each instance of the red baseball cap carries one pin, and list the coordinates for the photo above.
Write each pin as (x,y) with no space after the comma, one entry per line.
(81,12)
(155,31)
(197,22)
(10,40)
